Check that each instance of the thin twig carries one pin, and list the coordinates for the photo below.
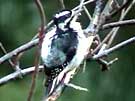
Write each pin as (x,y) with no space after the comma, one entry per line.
(114,48)
(87,13)
(37,58)
(119,24)
(119,9)
(85,3)
(77,87)
(81,4)
(123,14)
(5,52)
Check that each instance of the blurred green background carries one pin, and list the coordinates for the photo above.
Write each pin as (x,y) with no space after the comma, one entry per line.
(19,22)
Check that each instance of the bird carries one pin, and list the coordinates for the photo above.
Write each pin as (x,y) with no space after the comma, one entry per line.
(64,45)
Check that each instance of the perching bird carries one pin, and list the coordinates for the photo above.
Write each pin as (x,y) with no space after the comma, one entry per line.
(64,45)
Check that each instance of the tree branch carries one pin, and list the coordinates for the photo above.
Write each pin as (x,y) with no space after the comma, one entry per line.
(125,4)
(19,50)
(93,28)
(14,75)
(114,48)
(28,70)
(95,24)
(123,14)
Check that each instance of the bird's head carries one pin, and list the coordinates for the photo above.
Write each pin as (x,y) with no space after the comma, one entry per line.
(63,18)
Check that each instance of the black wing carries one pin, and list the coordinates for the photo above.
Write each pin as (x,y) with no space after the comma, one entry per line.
(67,44)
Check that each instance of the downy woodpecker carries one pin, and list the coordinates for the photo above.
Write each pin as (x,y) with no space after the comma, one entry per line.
(64,45)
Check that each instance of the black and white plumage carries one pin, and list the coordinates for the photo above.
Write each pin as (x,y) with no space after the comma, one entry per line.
(63,46)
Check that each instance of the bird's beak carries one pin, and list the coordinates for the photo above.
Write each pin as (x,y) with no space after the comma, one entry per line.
(74,16)
(73,13)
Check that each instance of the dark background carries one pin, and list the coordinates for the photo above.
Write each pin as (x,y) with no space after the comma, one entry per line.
(19,22)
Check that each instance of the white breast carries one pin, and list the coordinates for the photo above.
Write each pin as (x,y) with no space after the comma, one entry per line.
(46,45)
